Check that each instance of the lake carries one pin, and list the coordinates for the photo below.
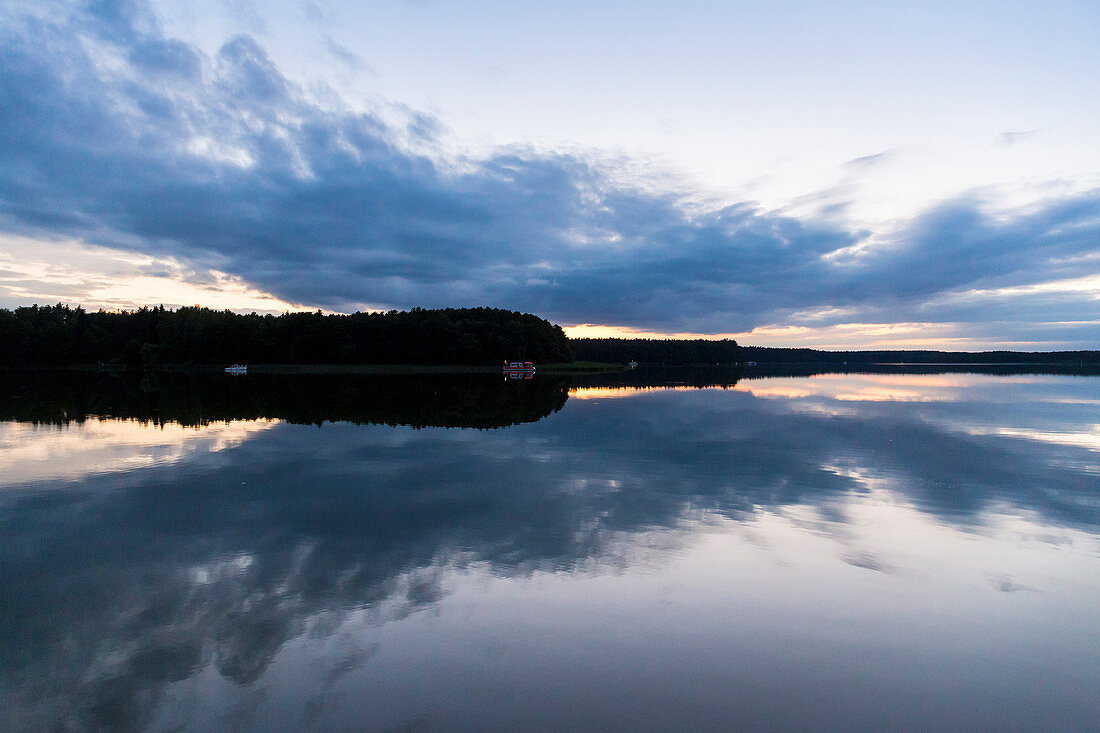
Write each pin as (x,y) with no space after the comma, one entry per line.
(657,550)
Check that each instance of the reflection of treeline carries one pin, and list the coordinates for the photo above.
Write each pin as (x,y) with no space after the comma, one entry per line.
(767,355)
(60,336)
(728,377)
(658,351)
(475,401)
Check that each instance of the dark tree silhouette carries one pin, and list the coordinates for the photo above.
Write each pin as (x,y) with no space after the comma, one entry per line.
(767,355)
(62,336)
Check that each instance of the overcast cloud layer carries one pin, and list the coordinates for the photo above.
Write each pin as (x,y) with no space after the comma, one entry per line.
(113,133)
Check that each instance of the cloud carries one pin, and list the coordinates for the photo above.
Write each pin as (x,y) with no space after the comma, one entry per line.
(1011,137)
(246,13)
(344,55)
(869,161)
(117,135)
(313,13)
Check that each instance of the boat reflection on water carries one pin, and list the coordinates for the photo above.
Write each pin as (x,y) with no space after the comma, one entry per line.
(661,551)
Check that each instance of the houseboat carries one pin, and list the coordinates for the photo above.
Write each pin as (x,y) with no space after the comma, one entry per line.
(519,367)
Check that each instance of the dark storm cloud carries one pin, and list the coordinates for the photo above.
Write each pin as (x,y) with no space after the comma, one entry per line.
(956,245)
(112,132)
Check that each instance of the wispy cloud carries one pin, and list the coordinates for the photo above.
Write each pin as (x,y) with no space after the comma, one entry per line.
(1012,137)
(345,56)
(869,161)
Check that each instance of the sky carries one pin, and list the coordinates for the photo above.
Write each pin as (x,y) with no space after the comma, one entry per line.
(827,174)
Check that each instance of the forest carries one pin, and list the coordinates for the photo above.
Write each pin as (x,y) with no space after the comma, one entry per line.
(770,355)
(60,335)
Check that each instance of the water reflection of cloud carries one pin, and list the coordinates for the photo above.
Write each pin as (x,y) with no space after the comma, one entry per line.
(866,560)
(36,453)
(883,394)
(304,532)
(862,387)
(782,391)
(1086,438)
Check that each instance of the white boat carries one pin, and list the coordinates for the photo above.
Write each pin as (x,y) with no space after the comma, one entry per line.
(237,369)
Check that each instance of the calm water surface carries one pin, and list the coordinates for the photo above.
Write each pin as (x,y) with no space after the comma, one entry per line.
(849,551)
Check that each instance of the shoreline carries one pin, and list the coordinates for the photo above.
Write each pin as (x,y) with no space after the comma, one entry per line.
(365,369)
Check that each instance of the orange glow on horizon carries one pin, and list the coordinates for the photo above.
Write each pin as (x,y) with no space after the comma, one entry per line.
(597,331)
(906,336)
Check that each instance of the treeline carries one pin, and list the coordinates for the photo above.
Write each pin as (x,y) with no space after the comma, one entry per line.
(59,335)
(658,351)
(769,355)
(62,336)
